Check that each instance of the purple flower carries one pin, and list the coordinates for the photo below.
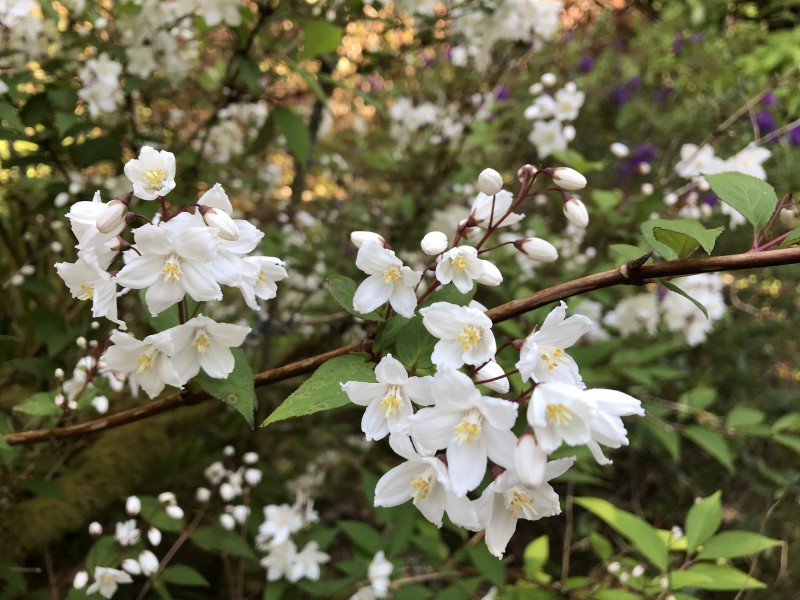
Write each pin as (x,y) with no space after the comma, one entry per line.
(677,42)
(586,63)
(633,83)
(769,99)
(793,137)
(765,121)
(660,93)
(709,198)
(620,95)
(697,37)
(502,93)
(641,153)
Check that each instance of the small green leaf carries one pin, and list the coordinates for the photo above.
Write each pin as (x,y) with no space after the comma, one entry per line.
(298,138)
(743,417)
(449,293)
(607,199)
(237,390)
(388,333)
(788,441)
(712,442)
(627,252)
(183,575)
(104,553)
(50,489)
(792,238)
(574,159)
(754,198)
(320,37)
(722,578)
(365,537)
(703,520)
(699,397)
(40,404)
(343,289)
(9,114)
(682,579)
(678,238)
(488,566)
(415,344)
(600,546)
(632,527)
(536,555)
(616,595)
(730,544)
(322,391)
(218,539)
(674,288)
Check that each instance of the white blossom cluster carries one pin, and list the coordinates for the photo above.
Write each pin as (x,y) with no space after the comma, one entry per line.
(441,124)
(231,485)
(101,88)
(644,312)
(237,125)
(378,574)
(128,537)
(176,255)
(443,425)
(551,114)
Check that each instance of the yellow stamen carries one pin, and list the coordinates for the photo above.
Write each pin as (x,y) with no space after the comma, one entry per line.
(88,292)
(559,413)
(517,501)
(469,337)
(469,429)
(202,342)
(391,275)
(262,277)
(172,268)
(553,359)
(143,363)
(155,177)
(391,405)
(459,263)
(422,487)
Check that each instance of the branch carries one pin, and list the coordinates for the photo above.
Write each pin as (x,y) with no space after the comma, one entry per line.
(630,274)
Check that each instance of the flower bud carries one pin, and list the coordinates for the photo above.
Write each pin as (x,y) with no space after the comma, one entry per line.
(537,249)
(227,521)
(59,399)
(100,404)
(671,199)
(252,477)
(637,571)
(59,373)
(434,242)
(647,189)
(80,342)
(154,535)
(530,460)
(548,79)
(489,371)
(491,274)
(568,179)
(202,494)
(645,168)
(112,217)
(536,89)
(240,513)
(619,150)
(576,212)
(174,511)
(226,227)
(789,217)
(95,529)
(490,182)
(148,562)
(167,498)
(358,238)
(250,458)
(227,492)
(132,566)
(28,270)
(80,580)
(133,506)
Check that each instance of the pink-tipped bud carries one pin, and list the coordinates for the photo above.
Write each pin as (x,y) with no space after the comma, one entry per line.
(525,172)
(226,227)
(568,179)
(111,217)
(576,212)
(537,249)
(490,182)
(359,238)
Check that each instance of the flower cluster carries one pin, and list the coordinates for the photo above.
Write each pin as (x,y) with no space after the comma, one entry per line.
(551,113)
(101,90)
(173,256)
(231,485)
(444,425)
(441,124)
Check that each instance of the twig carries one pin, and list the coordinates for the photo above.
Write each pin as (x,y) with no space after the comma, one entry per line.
(630,274)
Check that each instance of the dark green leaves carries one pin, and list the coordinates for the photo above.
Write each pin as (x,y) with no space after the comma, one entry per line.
(320,37)
(292,126)
(703,520)
(237,390)
(678,238)
(755,199)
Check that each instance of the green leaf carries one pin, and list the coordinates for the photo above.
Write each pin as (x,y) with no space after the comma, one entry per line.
(574,159)
(678,238)
(712,442)
(320,37)
(104,553)
(699,397)
(616,595)
(343,289)
(703,520)
(388,333)
(790,421)
(722,578)
(627,252)
(607,199)
(666,434)
(788,441)
(488,566)
(415,344)
(9,114)
(95,150)
(218,539)
(298,138)
(600,546)
(632,527)
(792,238)
(682,579)
(754,198)
(183,575)
(365,537)
(41,487)
(536,555)
(674,288)
(40,404)
(237,390)
(743,417)
(449,293)
(322,391)
(730,544)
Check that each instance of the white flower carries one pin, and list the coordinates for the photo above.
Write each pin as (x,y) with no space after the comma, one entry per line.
(227,521)
(491,370)
(548,137)
(537,249)
(490,182)
(695,161)
(568,102)
(378,573)
(471,427)
(221,11)
(126,533)
(95,529)
(279,560)
(506,500)
(576,212)
(306,563)
(389,400)
(490,209)
(568,179)
(635,313)
(86,280)
(465,334)
(426,481)
(461,266)
(227,229)
(434,243)
(542,357)
(559,412)
(389,280)
(83,222)
(202,342)
(106,581)
(152,174)
(147,361)
(171,262)
(280,522)
(548,79)
(749,161)
(260,275)
(112,217)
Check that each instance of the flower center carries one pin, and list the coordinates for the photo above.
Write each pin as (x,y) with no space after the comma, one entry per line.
(143,363)
(391,403)
(172,268)
(421,486)
(391,275)
(155,177)
(108,579)
(559,413)
(201,341)
(517,501)
(552,359)
(459,263)
(469,337)
(469,429)
(262,277)
(87,290)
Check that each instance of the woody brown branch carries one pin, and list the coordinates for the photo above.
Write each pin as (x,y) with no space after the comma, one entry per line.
(629,274)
